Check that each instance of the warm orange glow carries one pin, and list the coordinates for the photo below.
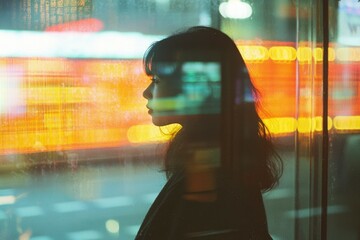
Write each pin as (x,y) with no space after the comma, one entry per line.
(254,53)
(348,54)
(71,104)
(288,54)
(318,54)
(304,54)
(281,125)
(306,125)
(49,140)
(151,133)
(347,122)
(83,25)
(282,53)
(48,66)
(58,95)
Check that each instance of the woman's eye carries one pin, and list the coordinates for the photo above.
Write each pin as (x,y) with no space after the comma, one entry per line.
(155,79)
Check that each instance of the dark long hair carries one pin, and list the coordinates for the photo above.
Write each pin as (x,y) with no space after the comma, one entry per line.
(257,164)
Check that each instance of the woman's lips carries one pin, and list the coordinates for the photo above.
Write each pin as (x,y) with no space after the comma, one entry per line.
(150,110)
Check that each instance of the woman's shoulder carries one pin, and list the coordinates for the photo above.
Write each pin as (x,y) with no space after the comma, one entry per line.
(234,213)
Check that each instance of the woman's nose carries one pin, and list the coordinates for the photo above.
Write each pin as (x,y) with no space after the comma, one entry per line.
(147,94)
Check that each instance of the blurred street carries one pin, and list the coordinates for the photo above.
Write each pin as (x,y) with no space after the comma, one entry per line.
(109,202)
(91,203)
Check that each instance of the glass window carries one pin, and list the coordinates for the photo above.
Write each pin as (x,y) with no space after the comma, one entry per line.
(80,157)
(343,210)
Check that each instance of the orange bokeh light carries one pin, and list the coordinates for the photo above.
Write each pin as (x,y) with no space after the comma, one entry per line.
(73,104)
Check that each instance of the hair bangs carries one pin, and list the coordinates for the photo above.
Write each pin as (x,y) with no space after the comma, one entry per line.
(148,60)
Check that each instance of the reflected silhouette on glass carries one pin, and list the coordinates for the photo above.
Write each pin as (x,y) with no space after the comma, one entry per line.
(214,184)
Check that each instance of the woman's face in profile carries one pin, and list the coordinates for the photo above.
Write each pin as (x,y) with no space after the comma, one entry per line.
(163,101)
(179,92)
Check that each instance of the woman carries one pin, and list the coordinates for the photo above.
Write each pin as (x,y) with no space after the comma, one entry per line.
(221,159)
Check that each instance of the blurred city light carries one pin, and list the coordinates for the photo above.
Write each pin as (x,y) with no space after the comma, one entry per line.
(347,122)
(282,53)
(11,98)
(348,54)
(281,125)
(306,124)
(112,226)
(5,200)
(83,25)
(151,133)
(65,103)
(235,9)
(302,54)
(254,53)
(107,44)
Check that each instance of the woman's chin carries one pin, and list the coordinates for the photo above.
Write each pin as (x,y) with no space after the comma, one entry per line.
(156,120)
(160,121)
(165,120)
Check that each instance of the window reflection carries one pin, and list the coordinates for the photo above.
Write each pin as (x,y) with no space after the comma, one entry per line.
(78,145)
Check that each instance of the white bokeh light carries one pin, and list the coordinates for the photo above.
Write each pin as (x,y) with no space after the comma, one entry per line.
(235,9)
(112,226)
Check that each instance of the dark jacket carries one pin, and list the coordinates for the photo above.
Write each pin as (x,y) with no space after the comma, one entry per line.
(239,215)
